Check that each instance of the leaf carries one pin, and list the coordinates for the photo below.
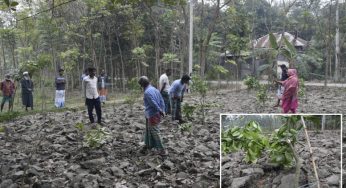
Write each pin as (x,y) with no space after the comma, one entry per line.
(291,48)
(273,42)
(232,62)
(14,3)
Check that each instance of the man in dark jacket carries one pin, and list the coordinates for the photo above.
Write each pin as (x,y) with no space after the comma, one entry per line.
(27,89)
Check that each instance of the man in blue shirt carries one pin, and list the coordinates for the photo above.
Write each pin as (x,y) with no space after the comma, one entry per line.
(154,108)
(176,94)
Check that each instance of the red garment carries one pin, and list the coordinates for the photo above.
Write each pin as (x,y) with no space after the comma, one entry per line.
(154,120)
(7,88)
(290,95)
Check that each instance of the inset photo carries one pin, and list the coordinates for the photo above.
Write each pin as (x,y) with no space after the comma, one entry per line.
(281,151)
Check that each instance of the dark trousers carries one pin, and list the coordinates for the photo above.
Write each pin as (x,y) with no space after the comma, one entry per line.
(176,109)
(165,97)
(91,103)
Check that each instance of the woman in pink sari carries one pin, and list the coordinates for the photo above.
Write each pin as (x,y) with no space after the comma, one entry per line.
(290,95)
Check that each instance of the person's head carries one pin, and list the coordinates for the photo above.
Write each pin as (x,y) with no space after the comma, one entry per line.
(283,67)
(292,72)
(168,72)
(61,71)
(7,77)
(92,72)
(103,72)
(185,79)
(26,74)
(143,81)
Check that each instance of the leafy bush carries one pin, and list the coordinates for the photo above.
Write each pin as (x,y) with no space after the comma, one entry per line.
(301,91)
(188,110)
(251,82)
(186,127)
(250,139)
(94,138)
(262,94)
(253,142)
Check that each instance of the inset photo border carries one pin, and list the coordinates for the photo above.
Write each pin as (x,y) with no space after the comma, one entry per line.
(281,150)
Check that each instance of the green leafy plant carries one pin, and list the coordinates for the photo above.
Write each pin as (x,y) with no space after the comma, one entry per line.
(250,139)
(262,94)
(2,129)
(301,91)
(188,110)
(280,150)
(201,87)
(253,142)
(185,127)
(94,138)
(79,126)
(251,82)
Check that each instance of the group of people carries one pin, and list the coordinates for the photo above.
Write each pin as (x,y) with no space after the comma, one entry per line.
(7,88)
(8,91)
(160,102)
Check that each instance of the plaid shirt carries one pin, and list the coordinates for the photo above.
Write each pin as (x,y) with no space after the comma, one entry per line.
(9,90)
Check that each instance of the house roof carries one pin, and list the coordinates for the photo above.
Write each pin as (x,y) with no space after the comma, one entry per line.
(264,42)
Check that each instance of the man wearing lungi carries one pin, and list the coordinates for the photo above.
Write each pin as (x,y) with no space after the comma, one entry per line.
(154,109)
(60,89)
(102,86)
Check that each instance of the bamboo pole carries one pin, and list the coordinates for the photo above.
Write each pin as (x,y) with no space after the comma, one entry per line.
(310,150)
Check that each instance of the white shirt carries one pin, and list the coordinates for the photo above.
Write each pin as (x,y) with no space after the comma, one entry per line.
(164,79)
(90,87)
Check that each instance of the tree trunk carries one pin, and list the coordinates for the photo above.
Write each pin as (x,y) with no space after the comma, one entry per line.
(205,43)
(157,52)
(122,63)
(3,52)
(110,58)
(337,44)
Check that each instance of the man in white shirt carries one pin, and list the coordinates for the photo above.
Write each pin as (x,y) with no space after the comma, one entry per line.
(163,87)
(92,98)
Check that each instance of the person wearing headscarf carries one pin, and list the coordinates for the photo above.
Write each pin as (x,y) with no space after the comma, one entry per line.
(290,94)
(7,87)
(27,89)
(60,89)
(154,109)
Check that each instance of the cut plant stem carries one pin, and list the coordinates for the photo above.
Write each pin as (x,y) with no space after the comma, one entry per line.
(298,163)
(310,150)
